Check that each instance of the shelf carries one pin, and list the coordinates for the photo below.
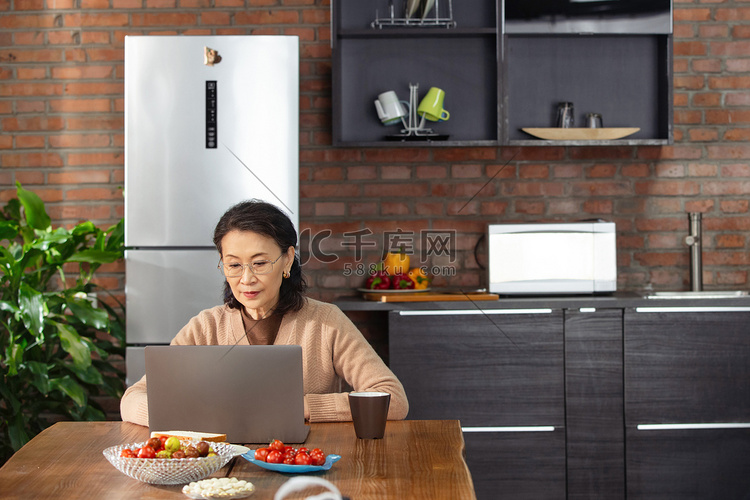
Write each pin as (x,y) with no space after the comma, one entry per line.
(417,32)
(624,78)
(619,142)
(496,82)
(416,144)
(469,82)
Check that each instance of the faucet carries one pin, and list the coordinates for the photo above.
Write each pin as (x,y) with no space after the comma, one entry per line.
(693,240)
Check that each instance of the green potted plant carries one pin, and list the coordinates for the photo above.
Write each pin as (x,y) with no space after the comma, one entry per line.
(58,344)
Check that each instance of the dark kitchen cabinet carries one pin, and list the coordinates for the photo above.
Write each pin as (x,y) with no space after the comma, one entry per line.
(629,398)
(461,60)
(594,404)
(501,373)
(501,75)
(687,402)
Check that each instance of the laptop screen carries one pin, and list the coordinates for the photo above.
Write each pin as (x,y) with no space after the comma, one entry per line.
(253,394)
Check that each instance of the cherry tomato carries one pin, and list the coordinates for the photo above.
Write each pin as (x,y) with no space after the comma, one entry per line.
(302,459)
(147,452)
(274,457)
(261,454)
(303,450)
(288,457)
(163,440)
(317,458)
(127,453)
(276,445)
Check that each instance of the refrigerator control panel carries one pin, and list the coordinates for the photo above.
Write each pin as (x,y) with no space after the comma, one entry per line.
(211,129)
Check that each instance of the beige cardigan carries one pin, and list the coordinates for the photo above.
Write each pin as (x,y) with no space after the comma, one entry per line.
(332,349)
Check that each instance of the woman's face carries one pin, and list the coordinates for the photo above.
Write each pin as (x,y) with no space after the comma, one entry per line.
(257,293)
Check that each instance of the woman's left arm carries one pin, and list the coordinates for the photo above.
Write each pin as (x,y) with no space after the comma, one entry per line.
(355,361)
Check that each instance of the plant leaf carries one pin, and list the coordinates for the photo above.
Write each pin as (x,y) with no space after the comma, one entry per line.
(95,256)
(85,228)
(14,357)
(8,230)
(88,314)
(41,375)
(72,344)
(12,210)
(9,397)
(9,306)
(17,432)
(33,309)
(116,239)
(36,215)
(89,375)
(46,240)
(71,388)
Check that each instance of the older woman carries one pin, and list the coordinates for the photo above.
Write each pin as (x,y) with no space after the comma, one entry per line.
(264,304)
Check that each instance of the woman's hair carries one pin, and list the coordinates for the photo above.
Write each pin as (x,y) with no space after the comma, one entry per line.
(265,219)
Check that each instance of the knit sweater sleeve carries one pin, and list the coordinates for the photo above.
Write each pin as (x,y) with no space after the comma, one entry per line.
(200,330)
(355,361)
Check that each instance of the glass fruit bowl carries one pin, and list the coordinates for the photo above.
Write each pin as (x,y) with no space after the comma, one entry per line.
(169,470)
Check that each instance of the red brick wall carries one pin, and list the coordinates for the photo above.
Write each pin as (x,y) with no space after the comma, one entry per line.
(61,102)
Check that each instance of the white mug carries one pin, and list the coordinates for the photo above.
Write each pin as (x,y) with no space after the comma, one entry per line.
(390,109)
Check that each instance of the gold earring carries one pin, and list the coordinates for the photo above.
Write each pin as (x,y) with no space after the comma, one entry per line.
(285,274)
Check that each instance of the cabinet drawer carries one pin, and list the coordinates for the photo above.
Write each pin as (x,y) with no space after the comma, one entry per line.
(517,465)
(494,369)
(688,464)
(686,367)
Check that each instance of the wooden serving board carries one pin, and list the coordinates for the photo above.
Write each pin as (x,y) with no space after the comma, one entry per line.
(581,134)
(429,297)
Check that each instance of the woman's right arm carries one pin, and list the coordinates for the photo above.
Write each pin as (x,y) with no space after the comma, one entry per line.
(134,403)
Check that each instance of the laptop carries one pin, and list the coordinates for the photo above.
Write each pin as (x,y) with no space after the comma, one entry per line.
(253,394)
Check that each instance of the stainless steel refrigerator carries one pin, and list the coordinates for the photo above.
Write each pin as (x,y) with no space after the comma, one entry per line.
(209,121)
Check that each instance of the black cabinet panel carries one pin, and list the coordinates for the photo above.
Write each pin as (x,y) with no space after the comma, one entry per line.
(498,79)
(594,404)
(517,465)
(691,464)
(687,367)
(492,370)
(485,370)
(359,15)
(394,63)
(589,71)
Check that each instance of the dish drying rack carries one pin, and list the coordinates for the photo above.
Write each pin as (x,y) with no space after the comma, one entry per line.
(415,127)
(432,21)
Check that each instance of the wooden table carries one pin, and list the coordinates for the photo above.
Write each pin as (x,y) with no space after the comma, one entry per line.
(416,459)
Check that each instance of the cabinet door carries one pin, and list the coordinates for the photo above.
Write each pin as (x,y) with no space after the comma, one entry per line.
(501,374)
(687,365)
(594,404)
(517,465)
(485,368)
(700,464)
(687,402)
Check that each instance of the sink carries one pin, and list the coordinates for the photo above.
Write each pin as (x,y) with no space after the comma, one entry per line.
(702,294)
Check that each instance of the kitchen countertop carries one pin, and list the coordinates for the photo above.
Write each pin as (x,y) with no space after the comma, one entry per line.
(618,300)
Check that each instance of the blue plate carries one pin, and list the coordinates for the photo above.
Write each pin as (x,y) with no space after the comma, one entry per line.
(292,469)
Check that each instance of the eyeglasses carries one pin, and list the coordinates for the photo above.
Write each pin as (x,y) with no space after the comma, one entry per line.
(235,269)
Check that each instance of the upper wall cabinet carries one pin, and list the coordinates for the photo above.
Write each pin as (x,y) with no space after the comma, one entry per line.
(503,67)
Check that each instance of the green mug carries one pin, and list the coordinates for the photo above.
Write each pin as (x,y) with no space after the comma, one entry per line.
(431,106)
